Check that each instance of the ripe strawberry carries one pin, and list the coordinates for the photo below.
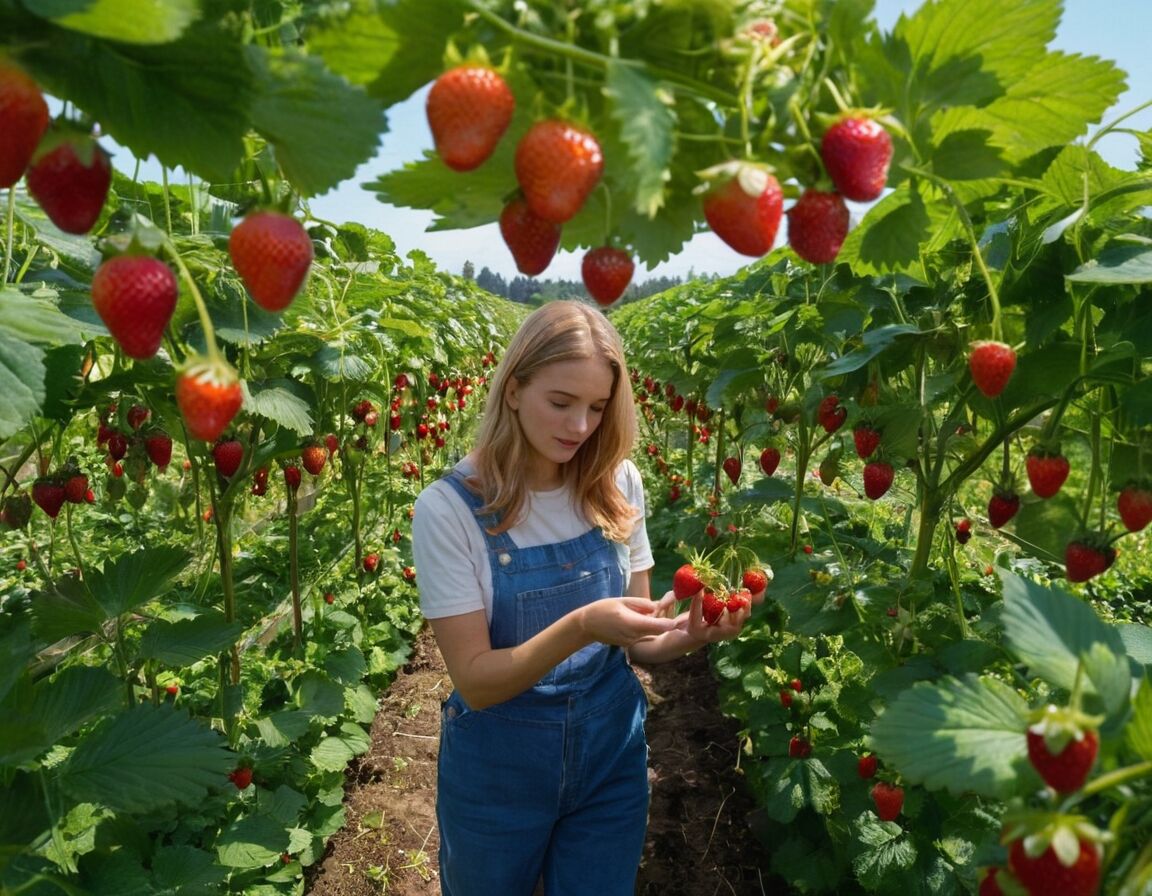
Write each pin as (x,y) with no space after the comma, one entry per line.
(856,152)
(1134,504)
(743,207)
(228,454)
(1002,506)
(796,684)
(557,166)
(989,886)
(292,477)
(878,476)
(1047,471)
(117,444)
(69,178)
(241,777)
(1045,873)
(313,456)
(1088,556)
(817,226)
(786,698)
(866,766)
(135,296)
(799,747)
(208,394)
(755,580)
(158,446)
(532,240)
(136,415)
(888,799)
(468,108)
(685,582)
(606,272)
(963,531)
(1062,758)
(272,253)
(76,487)
(830,414)
(329,598)
(713,607)
(769,460)
(731,467)
(866,439)
(370,562)
(991,365)
(49,495)
(740,599)
(23,121)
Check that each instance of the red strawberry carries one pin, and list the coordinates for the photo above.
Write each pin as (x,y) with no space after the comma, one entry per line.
(817,226)
(713,607)
(731,467)
(856,152)
(1134,504)
(135,296)
(866,439)
(117,444)
(1088,556)
(606,272)
(557,166)
(23,121)
(685,582)
(830,414)
(137,414)
(866,766)
(329,598)
(755,580)
(272,253)
(991,365)
(769,460)
(69,178)
(1002,506)
(799,747)
(988,883)
(963,531)
(49,495)
(744,208)
(1062,758)
(1047,471)
(1044,873)
(878,476)
(241,777)
(370,562)
(228,454)
(888,799)
(313,456)
(292,477)
(532,240)
(76,487)
(740,599)
(208,394)
(786,698)
(158,445)
(468,108)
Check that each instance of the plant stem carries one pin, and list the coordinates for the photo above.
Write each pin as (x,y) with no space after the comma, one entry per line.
(294,570)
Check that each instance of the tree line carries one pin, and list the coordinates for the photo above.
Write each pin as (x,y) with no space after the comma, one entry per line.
(530,290)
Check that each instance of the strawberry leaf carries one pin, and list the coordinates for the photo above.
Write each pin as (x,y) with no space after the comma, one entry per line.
(128,581)
(21,383)
(127,21)
(253,842)
(1117,264)
(647,127)
(278,403)
(334,753)
(887,851)
(187,641)
(1138,732)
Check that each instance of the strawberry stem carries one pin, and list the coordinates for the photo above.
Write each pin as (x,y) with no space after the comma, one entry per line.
(212,348)
(9,221)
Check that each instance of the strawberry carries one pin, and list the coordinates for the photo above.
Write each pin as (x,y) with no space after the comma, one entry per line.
(49,494)
(817,226)
(829,468)
(830,414)
(786,698)
(75,486)
(799,747)
(991,365)
(228,454)
(209,395)
(731,467)
(1042,872)
(135,296)
(888,799)
(769,460)
(1002,506)
(69,178)
(755,580)
(136,415)
(685,582)
(1061,751)
(532,240)
(292,477)
(713,607)
(1047,471)
(606,272)
(866,439)
(362,409)
(16,511)
(878,476)
(117,444)
(158,446)
(329,598)
(743,207)
(241,777)
(866,766)
(313,456)
(963,531)
(272,253)
(1134,504)
(797,685)
(557,166)
(23,121)
(468,108)
(740,599)
(856,152)
(1087,557)
(989,886)
(370,562)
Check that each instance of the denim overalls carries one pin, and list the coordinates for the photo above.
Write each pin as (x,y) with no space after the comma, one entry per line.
(552,783)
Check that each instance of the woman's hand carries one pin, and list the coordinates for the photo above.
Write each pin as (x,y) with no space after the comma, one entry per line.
(622,621)
(728,626)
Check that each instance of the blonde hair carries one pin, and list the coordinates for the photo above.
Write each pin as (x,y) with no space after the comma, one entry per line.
(558,331)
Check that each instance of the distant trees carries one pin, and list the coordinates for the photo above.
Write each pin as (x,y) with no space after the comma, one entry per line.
(530,291)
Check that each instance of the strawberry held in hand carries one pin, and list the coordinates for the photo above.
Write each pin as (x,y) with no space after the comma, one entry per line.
(469,108)
(991,365)
(557,167)
(743,206)
(135,296)
(606,272)
(23,121)
(208,394)
(1062,749)
(817,226)
(272,253)
(685,582)
(532,240)
(69,178)
(856,152)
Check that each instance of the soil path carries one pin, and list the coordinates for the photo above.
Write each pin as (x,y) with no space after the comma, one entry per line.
(700,840)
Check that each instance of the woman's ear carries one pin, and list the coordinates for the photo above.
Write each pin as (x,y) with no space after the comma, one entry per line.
(512,393)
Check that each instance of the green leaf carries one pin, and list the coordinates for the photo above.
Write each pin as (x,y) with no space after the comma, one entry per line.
(280,405)
(127,581)
(187,870)
(647,120)
(17,649)
(252,842)
(64,609)
(127,21)
(888,239)
(1116,264)
(797,785)
(888,851)
(967,154)
(963,735)
(36,319)
(1138,733)
(333,753)
(188,641)
(1138,641)
(21,383)
(873,342)
(335,364)
(319,696)
(146,758)
(1136,403)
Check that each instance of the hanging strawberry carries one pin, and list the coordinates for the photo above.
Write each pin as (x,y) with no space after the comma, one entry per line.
(272,253)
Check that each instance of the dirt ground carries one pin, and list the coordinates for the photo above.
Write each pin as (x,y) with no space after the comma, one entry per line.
(700,839)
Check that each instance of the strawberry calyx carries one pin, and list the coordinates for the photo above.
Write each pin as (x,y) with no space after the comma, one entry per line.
(1061,725)
(754,177)
(1063,833)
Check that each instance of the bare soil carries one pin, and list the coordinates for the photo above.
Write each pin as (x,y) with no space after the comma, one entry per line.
(701,839)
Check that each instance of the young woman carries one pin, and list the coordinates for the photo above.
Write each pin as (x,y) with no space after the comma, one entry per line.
(534,574)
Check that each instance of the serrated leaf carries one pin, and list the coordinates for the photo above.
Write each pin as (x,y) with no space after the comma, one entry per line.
(127,581)
(961,734)
(893,854)
(647,121)
(281,406)
(336,364)
(37,320)
(873,342)
(144,759)
(127,21)
(16,647)
(21,383)
(283,726)
(888,238)
(1116,264)
(188,641)
(65,702)
(319,696)
(333,753)
(1138,641)
(967,155)
(64,609)
(252,842)
(187,870)
(1138,733)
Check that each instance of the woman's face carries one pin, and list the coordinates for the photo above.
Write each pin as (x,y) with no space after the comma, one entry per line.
(558,409)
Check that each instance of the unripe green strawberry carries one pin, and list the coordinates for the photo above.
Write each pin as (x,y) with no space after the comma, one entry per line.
(743,207)
(856,152)
(557,167)
(135,296)
(606,272)
(532,240)
(23,121)
(272,253)
(69,178)
(817,226)
(469,108)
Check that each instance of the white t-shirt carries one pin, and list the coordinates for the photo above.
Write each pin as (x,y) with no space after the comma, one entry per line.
(451,552)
